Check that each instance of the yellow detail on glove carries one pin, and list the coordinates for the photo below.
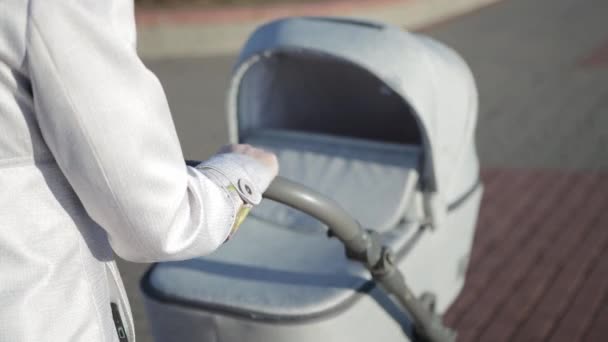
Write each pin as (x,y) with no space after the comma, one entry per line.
(241,215)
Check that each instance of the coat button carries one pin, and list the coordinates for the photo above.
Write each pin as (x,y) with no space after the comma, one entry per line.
(248,192)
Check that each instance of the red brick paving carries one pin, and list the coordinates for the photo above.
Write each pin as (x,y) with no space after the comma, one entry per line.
(539,267)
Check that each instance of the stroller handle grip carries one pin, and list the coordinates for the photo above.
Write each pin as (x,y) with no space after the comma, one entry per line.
(319,206)
(326,210)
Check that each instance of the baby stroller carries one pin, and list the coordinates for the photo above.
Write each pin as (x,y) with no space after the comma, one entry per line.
(365,117)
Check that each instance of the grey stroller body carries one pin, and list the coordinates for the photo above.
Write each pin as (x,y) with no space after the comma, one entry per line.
(380,120)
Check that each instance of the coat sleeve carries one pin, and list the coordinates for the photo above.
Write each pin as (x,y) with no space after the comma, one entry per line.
(105,118)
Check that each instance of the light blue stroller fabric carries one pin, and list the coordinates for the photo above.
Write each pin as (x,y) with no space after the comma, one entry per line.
(372,180)
(280,264)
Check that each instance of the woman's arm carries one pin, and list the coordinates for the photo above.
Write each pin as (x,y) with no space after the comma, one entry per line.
(105,118)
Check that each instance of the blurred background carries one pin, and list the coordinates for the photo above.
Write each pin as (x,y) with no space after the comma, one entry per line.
(211,3)
(539,269)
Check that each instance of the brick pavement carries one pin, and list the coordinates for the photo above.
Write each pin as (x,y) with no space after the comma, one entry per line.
(539,268)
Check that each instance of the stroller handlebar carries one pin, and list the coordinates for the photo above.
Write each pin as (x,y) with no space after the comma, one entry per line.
(340,222)
(363,246)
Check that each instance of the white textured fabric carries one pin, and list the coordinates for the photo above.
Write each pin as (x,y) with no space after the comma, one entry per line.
(87,141)
(258,173)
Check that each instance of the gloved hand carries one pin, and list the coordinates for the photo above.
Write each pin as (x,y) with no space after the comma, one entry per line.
(263,171)
(245,172)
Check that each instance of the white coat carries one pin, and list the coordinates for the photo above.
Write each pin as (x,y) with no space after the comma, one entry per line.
(89,163)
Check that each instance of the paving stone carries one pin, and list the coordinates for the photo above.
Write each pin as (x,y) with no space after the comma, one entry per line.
(548,289)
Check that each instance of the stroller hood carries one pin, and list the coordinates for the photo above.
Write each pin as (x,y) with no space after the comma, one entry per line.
(413,76)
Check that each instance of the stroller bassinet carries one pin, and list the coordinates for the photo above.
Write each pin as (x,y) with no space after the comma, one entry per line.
(378,119)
